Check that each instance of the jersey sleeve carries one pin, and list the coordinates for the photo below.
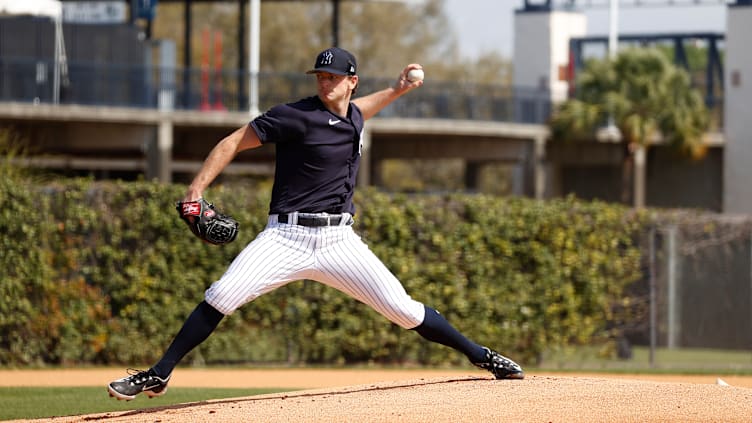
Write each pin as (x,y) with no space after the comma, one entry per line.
(278,125)
(268,126)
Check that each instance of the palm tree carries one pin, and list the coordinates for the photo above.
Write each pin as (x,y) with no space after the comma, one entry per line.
(647,98)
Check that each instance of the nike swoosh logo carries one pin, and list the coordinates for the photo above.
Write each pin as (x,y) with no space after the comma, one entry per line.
(334,121)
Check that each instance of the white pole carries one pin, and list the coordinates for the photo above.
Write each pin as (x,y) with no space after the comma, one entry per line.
(56,64)
(613,28)
(611,132)
(673,326)
(254,35)
(653,307)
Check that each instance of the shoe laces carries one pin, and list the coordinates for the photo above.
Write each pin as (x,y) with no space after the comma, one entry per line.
(499,361)
(495,360)
(138,376)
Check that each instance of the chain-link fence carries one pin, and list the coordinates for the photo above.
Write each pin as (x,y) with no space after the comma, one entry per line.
(697,290)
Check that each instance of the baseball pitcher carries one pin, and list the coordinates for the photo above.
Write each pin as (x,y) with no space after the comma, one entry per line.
(309,233)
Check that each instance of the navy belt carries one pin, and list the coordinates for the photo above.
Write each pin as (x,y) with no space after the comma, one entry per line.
(312,221)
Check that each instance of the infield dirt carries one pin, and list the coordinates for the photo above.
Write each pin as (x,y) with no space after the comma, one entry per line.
(433,396)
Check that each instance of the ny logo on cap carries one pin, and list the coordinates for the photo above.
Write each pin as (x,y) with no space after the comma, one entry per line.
(326,58)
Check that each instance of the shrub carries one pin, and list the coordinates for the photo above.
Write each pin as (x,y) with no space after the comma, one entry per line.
(93,269)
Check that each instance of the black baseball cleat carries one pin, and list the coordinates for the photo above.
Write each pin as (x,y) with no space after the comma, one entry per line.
(500,366)
(139,381)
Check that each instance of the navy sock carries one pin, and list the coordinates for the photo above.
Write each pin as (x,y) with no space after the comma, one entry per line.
(435,328)
(199,325)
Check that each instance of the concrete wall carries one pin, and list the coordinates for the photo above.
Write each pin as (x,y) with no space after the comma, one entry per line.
(737,196)
(541,48)
(595,171)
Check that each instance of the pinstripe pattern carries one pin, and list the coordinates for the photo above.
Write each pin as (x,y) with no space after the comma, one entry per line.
(333,255)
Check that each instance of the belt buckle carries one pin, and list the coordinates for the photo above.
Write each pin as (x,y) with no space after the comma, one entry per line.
(334,219)
(324,219)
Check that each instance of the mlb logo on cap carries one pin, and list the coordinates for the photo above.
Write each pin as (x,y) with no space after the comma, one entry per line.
(335,60)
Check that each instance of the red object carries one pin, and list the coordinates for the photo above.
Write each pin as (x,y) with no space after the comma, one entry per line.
(218,71)
(205,70)
(192,209)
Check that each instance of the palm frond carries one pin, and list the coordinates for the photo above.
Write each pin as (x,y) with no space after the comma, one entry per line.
(645,95)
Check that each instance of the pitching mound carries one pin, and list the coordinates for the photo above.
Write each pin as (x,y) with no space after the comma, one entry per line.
(469,399)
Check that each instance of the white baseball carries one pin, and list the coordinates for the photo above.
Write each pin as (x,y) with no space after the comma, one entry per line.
(415,75)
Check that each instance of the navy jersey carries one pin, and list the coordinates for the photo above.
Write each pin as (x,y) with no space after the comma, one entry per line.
(318,155)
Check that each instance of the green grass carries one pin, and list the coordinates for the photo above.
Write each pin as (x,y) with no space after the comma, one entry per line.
(679,361)
(32,403)
(27,403)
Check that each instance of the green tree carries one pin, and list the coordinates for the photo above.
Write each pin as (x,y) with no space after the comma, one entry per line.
(647,98)
(383,35)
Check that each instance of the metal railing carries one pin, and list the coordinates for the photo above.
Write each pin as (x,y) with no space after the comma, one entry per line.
(89,83)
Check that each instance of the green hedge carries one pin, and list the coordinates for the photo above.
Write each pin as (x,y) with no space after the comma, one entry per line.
(105,273)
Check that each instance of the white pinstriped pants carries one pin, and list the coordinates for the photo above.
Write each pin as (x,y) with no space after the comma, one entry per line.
(332,255)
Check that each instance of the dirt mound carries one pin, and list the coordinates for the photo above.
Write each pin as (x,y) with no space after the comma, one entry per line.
(470,399)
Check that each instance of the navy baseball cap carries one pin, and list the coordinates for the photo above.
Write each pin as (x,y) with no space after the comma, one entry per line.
(335,60)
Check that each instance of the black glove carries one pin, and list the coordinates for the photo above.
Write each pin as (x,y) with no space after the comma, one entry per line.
(207,223)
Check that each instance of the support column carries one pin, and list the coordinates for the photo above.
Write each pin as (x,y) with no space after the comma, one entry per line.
(539,169)
(737,151)
(640,177)
(159,157)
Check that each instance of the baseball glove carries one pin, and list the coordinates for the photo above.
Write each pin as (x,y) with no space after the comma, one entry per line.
(207,223)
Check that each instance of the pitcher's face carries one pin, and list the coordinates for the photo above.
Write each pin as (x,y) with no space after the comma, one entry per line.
(335,88)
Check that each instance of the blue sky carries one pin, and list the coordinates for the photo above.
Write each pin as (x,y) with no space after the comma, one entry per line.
(484,25)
